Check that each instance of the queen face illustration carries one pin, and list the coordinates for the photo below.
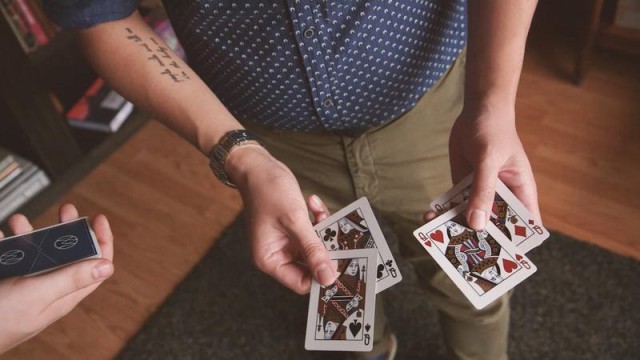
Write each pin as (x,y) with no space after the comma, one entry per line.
(492,275)
(329,329)
(353,267)
(344,225)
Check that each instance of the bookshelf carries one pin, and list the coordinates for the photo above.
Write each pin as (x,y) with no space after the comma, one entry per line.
(33,126)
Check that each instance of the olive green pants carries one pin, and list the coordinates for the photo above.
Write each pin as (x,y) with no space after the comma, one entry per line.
(400,167)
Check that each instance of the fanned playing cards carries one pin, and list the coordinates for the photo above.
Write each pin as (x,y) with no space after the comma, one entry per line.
(484,265)
(341,316)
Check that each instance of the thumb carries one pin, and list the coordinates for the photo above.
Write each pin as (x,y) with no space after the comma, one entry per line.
(318,208)
(315,254)
(483,191)
(62,282)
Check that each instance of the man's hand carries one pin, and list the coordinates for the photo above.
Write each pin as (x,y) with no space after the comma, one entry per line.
(28,305)
(484,137)
(485,141)
(281,233)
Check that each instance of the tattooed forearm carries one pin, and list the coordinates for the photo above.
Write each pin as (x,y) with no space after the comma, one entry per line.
(176,77)
(157,59)
(133,36)
(164,52)
(159,52)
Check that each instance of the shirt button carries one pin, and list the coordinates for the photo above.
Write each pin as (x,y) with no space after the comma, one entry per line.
(309,32)
(327,103)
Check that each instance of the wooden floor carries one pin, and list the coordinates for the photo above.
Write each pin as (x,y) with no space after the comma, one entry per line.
(166,208)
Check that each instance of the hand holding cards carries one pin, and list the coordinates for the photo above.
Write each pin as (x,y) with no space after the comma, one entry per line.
(30,303)
(485,264)
(341,315)
(48,248)
(507,213)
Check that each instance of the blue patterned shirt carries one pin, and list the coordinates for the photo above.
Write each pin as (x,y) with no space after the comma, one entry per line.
(306,65)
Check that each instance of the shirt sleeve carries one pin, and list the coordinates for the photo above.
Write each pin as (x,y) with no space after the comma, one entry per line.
(82,14)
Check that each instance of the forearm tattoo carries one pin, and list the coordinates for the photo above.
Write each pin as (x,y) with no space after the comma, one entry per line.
(171,68)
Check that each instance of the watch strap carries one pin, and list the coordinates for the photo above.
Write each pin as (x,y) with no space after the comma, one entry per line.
(227,143)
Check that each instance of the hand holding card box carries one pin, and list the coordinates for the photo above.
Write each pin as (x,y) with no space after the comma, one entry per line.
(47,249)
(29,304)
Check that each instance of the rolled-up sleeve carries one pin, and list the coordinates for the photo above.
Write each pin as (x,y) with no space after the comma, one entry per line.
(82,14)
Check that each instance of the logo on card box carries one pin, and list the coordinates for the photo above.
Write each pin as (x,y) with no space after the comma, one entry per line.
(11,257)
(65,242)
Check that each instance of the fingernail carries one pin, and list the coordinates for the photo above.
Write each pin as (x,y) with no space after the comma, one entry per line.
(315,200)
(102,271)
(324,275)
(477,219)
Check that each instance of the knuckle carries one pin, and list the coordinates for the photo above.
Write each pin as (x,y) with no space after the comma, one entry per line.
(293,218)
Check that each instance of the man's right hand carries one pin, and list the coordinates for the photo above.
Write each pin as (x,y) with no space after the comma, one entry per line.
(280,229)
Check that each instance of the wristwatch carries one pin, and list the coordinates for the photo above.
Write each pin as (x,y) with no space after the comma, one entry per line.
(223,148)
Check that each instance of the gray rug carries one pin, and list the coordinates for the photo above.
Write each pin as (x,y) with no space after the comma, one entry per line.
(581,304)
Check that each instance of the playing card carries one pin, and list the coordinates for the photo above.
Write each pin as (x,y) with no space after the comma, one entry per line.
(456,195)
(484,265)
(48,248)
(507,213)
(356,227)
(341,315)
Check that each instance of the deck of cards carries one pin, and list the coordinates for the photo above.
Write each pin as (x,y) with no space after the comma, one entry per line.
(485,264)
(47,249)
(341,316)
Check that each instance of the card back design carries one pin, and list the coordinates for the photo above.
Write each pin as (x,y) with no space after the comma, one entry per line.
(48,248)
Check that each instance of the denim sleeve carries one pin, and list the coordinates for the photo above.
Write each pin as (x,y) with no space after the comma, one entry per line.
(82,14)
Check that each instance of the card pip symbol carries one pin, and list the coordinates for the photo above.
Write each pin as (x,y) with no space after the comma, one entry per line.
(392,270)
(380,271)
(426,241)
(509,265)
(355,327)
(367,337)
(522,261)
(520,230)
(437,236)
(11,257)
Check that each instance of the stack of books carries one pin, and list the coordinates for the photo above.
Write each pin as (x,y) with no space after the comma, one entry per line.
(20,181)
(100,109)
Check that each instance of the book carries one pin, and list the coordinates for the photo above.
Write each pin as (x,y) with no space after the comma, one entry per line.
(100,109)
(49,27)
(6,158)
(9,173)
(29,181)
(23,34)
(27,169)
(28,187)
(32,22)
